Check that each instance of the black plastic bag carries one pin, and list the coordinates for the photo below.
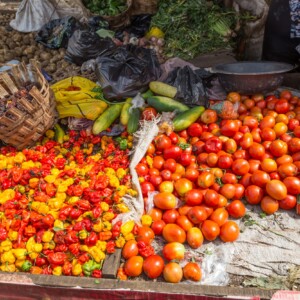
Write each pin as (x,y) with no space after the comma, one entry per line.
(56,33)
(96,23)
(126,71)
(85,45)
(191,85)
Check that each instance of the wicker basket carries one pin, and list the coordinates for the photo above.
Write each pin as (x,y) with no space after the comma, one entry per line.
(120,20)
(140,7)
(22,126)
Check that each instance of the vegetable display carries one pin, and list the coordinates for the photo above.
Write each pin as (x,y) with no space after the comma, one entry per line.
(106,7)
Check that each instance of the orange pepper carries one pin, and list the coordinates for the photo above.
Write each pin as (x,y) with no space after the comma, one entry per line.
(105,235)
(121,274)
(36,270)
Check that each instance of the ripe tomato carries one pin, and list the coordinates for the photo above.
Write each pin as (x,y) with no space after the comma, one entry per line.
(174,137)
(142,169)
(294,145)
(192,271)
(233,97)
(289,202)
(193,197)
(162,142)
(254,194)
(172,272)
(239,191)
(229,232)
(166,175)
(185,159)
(156,180)
(197,214)
(287,170)
(293,123)
(246,141)
(268,134)
(182,186)
(158,226)
(240,166)
(220,216)
(149,113)
(292,184)
(153,171)
(282,106)
(165,200)
(276,189)
(211,198)
(225,161)
(166,186)
(184,223)
(213,144)
(151,149)
(194,237)
(191,174)
(229,128)
(210,230)
(158,162)
(145,234)
(250,121)
(284,159)
(254,165)
(133,267)
(173,251)
(212,159)
(205,180)
(257,151)
(147,187)
(267,122)
(230,146)
(174,233)
(170,164)
(209,116)
(236,209)
(172,152)
(278,148)
(245,181)
(153,266)
(269,165)
(260,178)
(130,249)
(195,130)
(229,178)
(286,94)
(198,147)
(227,190)
(269,205)
(280,129)
(170,216)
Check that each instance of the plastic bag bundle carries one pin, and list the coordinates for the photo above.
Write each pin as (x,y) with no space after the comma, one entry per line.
(127,71)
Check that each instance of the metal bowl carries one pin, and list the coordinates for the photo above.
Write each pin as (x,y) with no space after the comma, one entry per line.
(251,77)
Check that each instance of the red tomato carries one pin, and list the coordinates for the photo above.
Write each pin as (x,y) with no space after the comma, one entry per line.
(149,113)
(268,134)
(210,230)
(170,216)
(185,159)
(292,184)
(293,123)
(234,97)
(184,223)
(153,266)
(197,214)
(172,272)
(142,169)
(158,162)
(195,130)
(205,179)
(173,251)
(254,194)
(193,197)
(250,122)
(174,138)
(145,234)
(229,232)
(165,200)
(170,164)
(278,148)
(211,198)
(209,116)
(294,145)
(191,174)
(240,166)
(147,187)
(162,142)
(269,165)
(166,175)
(227,190)
(158,226)
(174,233)
(194,237)
(289,202)
(172,152)
(282,106)
(192,271)
(133,267)
(213,144)
(236,209)
(130,249)
(257,151)
(225,161)
(287,170)
(166,186)
(286,94)
(155,214)
(276,189)
(230,146)
(229,178)
(239,191)
(267,122)
(220,216)
(284,159)
(254,165)
(260,178)
(246,141)
(156,180)
(269,205)
(245,181)
(198,147)
(229,128)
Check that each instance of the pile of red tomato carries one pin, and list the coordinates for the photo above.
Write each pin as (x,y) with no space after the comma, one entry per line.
(205,175)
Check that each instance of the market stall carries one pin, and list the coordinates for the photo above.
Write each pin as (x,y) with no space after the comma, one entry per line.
(125,168)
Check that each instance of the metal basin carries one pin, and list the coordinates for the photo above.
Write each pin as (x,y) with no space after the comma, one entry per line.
(251,77)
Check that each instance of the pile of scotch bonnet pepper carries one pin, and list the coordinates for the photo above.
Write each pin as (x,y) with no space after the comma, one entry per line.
(58,202)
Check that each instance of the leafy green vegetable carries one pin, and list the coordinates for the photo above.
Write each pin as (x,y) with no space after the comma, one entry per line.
(194,26)
(106,7)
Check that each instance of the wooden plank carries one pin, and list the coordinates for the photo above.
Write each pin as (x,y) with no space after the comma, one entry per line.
(111,264)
